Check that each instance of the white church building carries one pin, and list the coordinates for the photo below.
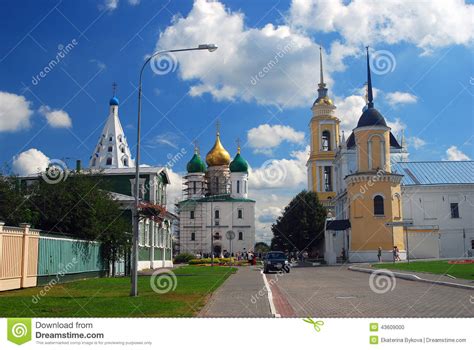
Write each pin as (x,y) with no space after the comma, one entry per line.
(216,206)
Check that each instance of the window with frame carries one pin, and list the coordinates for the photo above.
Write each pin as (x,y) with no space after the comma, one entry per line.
(378,205)
(110,149)
(191,214)
(326,140)
(327,179)
(109,161)
(241,236)
(238,186)
(239,214)
(193,236)
(454,210)
(216,214)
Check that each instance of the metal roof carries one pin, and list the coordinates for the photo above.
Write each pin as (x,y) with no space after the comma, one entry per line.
(435,172)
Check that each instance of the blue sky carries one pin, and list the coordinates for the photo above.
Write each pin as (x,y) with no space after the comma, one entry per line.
(426,89)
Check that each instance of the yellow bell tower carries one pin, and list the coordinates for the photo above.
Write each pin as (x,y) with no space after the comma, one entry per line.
(373,191)
(324,131)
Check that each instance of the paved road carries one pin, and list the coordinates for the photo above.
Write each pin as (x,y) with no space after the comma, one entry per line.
(337,292)
(241,295)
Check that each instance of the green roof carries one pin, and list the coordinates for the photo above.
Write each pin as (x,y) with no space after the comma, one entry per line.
(239,164)
(217,198)
(196,165)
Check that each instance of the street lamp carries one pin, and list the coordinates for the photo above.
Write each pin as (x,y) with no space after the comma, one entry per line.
(134,288)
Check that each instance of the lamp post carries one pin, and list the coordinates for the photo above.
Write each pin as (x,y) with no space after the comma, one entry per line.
(134,279)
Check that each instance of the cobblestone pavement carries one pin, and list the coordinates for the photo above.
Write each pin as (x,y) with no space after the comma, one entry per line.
(337,292)
(241,295)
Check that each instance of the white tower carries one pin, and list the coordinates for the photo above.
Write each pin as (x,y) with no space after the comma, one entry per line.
(112,150)
(239,176)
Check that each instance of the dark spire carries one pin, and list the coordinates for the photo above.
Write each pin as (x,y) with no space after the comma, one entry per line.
(370,96)
(321,76)
(114,88)
(322,90)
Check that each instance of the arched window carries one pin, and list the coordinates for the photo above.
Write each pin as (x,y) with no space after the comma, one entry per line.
(111,138)
(216,214)
(326,140)
(120,138)
(327,179)
(238,186)
(378,205)
(94,161)
(109,161)
(125,162)
(122,149)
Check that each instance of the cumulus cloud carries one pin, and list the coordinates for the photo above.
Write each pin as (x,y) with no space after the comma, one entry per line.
(426,24)
(15,112)
(453,153)
(284,173)
(109,5)
(174,190)
(265,137)
(416,142)
(267,65)
(30,162)
(398,97)
(56,118)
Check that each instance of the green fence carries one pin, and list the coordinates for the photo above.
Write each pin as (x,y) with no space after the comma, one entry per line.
(68,257)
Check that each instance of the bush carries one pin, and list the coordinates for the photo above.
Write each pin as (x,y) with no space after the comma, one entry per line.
(183,258)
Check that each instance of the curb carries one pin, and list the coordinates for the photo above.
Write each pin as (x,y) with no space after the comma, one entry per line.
(410,277)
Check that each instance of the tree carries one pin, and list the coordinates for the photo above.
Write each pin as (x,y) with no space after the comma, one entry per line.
(301,225)
(261,247)
(14,208)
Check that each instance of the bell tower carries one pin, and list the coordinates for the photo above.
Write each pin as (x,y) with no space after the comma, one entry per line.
(324,134)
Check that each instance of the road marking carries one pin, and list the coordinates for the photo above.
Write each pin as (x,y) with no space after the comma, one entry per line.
(270,296)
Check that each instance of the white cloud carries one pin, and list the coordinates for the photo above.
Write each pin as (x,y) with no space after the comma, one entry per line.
(397,126)
(174,190)
(268,65)
(416,142)
(109,5)
(453,153)
(15,112)
(398,97)
(265,137)
(134,2)
(426,24)
(289,174)
(30,162)
(56,118)
(101,65)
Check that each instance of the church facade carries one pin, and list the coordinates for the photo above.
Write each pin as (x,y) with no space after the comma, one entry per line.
(362,182)
(216,215)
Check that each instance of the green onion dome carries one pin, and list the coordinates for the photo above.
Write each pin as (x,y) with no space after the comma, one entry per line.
(239,164)
(196,165)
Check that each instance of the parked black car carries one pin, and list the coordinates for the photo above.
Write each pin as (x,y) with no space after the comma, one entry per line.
(276,261)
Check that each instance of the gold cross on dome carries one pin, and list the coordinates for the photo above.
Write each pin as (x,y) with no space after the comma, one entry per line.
(114,88)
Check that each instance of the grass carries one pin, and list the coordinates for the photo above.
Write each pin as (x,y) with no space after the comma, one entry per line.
(109,297)
(439,267)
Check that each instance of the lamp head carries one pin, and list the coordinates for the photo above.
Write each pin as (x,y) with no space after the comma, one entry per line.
(209,47)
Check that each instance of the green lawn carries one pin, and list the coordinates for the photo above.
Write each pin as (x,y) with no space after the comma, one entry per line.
(108,297)
(439,267)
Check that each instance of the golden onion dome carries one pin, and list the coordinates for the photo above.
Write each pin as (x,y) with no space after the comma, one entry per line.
(217,155)
(324,101)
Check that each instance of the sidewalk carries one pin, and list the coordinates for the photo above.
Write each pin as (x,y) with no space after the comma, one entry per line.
(242,295)
(418,276)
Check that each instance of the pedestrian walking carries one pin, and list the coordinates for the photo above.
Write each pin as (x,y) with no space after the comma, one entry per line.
(379,254)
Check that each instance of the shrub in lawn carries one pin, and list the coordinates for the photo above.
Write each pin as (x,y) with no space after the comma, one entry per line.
(183,258)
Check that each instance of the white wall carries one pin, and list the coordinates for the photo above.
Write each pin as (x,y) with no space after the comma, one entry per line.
(430,206)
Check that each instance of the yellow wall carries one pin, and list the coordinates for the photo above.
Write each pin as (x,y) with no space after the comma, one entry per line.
(362,142)
(368,232)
